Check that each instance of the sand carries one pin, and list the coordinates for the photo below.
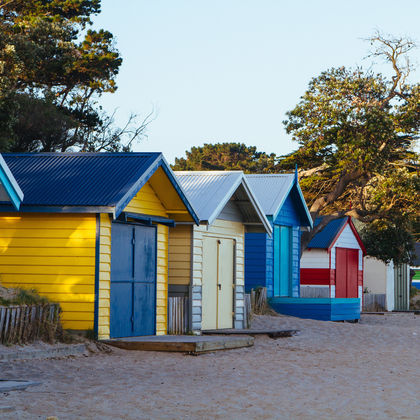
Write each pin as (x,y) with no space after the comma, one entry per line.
(330,370)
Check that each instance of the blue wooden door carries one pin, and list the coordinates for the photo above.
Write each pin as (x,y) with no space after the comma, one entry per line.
(282,261)
(133,280)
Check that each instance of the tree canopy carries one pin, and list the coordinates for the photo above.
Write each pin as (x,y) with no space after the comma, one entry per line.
(226,156)
(356,132)
(53,68)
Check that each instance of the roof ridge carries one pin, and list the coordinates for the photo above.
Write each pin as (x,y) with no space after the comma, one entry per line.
(191,173)
(81,154)
(267,175)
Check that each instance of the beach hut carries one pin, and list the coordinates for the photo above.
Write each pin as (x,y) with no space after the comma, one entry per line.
(331,276)
(378,285)
(92,234)
(273,261)
(332,264)
(206,262)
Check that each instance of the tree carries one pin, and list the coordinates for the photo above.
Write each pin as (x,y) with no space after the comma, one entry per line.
(53,69)
(226,156)
(356,132)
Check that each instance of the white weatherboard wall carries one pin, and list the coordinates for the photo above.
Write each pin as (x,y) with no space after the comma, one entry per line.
(315,258)
(378,278)
(226,230)
(347,239)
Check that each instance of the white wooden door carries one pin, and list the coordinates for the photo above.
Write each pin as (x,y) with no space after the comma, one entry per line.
(209,284)
(225,285)
(217,285)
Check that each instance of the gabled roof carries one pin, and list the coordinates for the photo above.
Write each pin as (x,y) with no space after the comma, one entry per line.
(326,238)
(209,192)
(86,180)
(272,191)
(9,188)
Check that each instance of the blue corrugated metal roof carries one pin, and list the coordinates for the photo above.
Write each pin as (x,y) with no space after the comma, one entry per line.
(77,179)
(86,179)
(327,235)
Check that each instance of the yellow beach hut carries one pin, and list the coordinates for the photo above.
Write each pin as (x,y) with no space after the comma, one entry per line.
(92,234)
(206,262)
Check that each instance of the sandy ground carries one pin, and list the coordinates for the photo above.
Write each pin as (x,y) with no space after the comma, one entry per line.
(369,370)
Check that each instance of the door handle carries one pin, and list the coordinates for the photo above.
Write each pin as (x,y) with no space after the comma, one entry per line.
(220,286)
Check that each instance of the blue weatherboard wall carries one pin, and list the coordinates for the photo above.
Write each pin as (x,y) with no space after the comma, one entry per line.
(265,262)
(323,309)
(255,261)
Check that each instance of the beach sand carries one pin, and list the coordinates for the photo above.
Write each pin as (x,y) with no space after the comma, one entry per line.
(331,370)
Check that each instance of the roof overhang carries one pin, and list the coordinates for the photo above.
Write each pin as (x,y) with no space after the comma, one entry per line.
(242,182)
(356,234)
(303,204)
(7,207)
(9,188)
(159,162)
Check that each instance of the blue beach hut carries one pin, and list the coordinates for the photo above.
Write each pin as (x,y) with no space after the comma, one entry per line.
(273,262)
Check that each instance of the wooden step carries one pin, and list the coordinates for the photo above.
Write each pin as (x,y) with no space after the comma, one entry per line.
(181,343)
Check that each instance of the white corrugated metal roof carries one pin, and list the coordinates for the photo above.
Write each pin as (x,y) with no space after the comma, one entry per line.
(209,192)
(271,190)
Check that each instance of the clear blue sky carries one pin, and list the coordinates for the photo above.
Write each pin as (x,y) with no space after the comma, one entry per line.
(228,70)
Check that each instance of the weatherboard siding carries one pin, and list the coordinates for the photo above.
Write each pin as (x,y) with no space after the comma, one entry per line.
(54,254)
(231,212)
(315,258)
(255,261)
(180,255)
(295,261)
(104,276)
(288,215)
(146,202)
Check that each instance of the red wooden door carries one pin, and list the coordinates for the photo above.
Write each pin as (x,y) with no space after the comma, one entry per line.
(340,272)
(346,267)
(352,267)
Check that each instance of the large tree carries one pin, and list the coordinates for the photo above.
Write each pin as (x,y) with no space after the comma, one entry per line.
(226,156)
(356,132)
(53,69)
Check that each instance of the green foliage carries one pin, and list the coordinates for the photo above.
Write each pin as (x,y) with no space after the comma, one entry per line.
(387,240)
(23,297)
(53,69)
(356,132)
(226,156)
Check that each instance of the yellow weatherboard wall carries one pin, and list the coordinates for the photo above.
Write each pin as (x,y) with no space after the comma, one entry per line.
(54,254)
(180,255)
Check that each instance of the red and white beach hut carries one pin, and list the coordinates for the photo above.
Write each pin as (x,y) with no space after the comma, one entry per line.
(332,265)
